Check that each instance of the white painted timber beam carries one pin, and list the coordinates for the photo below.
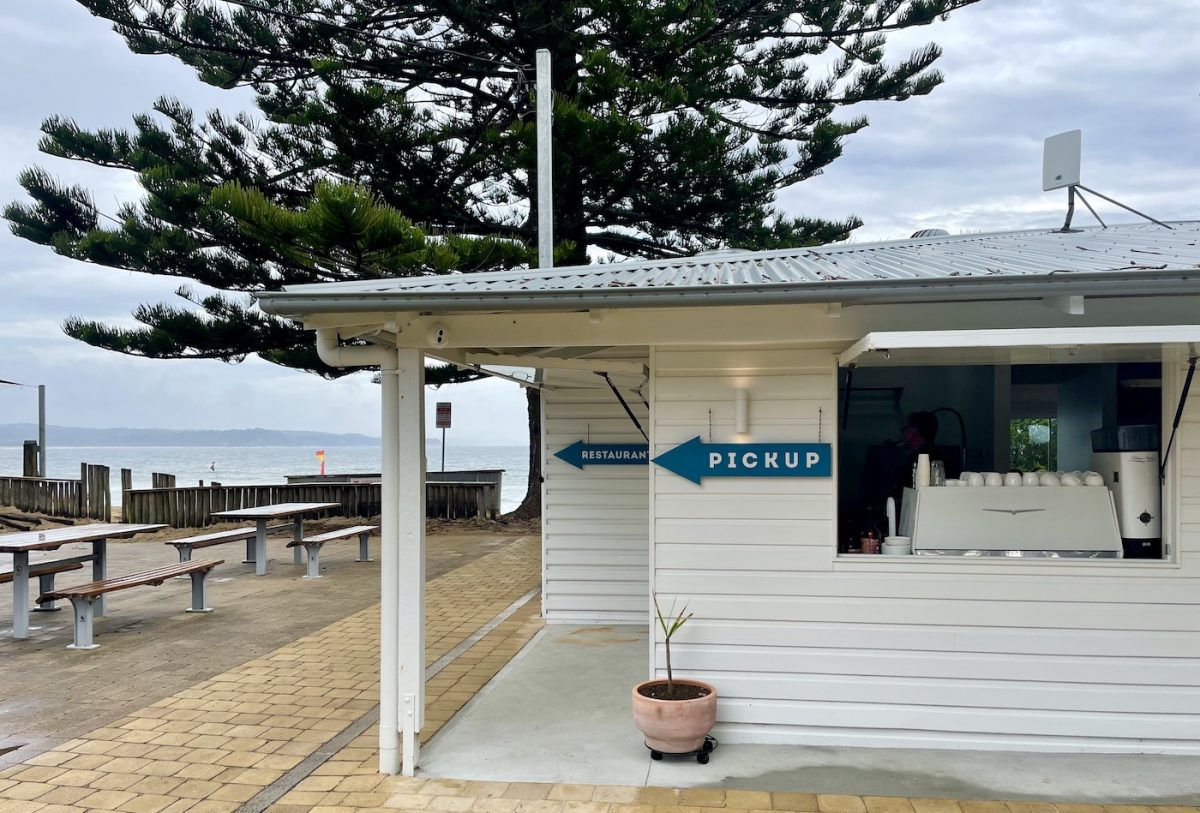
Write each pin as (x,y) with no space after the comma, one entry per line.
(410,502)
(758,325)
(389,573)
(552,363)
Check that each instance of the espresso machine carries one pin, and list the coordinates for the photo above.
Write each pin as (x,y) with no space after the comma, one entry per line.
(1127,458)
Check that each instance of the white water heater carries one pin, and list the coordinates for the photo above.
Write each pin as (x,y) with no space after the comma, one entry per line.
(1133,479)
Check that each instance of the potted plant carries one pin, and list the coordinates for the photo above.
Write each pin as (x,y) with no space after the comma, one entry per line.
(675,715)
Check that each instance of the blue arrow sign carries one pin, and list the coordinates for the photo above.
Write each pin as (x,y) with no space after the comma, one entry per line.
(696,460)
(580,454)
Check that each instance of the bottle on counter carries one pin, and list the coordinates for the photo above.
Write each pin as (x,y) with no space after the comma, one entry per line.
(870,540)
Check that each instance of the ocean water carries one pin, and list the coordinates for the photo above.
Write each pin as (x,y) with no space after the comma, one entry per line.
(256,465)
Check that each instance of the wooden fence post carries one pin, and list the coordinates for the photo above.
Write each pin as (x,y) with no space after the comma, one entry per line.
(29,460)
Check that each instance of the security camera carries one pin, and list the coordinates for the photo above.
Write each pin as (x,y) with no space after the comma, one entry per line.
(438,336)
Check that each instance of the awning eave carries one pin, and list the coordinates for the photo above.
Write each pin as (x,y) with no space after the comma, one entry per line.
(1069,339)
(299,302)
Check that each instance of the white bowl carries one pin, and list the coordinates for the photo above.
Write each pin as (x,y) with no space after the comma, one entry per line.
(1093,479)
(993,478)
(1031,478)
(974,479)
(1050,479)
(1071,479)
(1013,478)
(954,483)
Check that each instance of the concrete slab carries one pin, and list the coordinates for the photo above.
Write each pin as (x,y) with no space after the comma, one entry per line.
(559,712)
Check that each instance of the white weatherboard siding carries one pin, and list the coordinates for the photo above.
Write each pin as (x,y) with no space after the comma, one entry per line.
(595,544)
(808,648)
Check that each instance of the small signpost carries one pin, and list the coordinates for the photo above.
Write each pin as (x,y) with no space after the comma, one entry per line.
(443,423)
(696,460)
(320,459)
(580,454)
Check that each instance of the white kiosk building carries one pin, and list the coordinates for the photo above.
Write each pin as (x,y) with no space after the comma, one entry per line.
(1027,618)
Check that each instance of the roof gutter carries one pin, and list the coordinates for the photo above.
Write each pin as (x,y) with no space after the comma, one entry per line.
(1105,283)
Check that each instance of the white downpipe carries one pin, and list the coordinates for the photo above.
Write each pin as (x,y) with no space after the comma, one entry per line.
(333,354)
(389,573)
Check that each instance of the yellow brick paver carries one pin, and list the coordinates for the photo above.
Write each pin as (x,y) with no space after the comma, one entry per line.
(212,746)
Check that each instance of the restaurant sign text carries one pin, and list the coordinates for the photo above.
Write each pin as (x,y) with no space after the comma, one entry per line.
(580,454)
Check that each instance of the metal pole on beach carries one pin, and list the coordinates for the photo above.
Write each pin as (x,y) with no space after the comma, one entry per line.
(42,430)
(545,170)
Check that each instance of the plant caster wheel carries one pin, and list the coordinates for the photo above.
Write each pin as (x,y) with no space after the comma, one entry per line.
(701,754)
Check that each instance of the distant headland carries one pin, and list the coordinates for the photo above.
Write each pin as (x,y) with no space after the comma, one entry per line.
(12,434)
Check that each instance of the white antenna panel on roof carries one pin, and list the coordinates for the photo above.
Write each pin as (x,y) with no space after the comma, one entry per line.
(1060,160)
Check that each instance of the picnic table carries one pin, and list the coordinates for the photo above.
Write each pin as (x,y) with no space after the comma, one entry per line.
(256,548)
(21,544)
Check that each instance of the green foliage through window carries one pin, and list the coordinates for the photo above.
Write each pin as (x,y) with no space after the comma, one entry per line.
(1033,444)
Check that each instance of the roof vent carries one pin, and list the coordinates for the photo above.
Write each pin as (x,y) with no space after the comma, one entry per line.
(929,233)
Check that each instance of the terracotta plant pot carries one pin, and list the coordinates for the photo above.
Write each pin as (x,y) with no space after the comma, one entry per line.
(675,726)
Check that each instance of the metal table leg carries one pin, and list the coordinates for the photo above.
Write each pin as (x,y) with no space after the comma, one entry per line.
(20,594)
(46,585)
(297,535)
(99,562)
(260,548)
(250,556)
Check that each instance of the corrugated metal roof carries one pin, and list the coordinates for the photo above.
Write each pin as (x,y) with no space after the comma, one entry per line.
(1119,260)
(1021,253)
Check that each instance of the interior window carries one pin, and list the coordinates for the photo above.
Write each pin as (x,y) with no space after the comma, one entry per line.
(1036,427)
(1033,443)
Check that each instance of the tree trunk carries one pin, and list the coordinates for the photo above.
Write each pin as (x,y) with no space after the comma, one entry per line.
(531,506)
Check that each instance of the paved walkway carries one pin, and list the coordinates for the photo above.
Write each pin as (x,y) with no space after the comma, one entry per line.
(222,741)
(51,694)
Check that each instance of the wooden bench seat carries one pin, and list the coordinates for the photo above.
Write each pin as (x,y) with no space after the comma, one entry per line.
(84,596)
(185,545)
(312,546)
(45,570)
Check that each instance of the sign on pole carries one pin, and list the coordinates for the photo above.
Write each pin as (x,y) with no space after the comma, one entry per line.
(443,423)
(321,460)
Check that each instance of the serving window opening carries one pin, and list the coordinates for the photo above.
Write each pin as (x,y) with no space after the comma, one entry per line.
(1058,458)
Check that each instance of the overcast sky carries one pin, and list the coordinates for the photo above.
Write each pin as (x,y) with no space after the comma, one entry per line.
(966,158)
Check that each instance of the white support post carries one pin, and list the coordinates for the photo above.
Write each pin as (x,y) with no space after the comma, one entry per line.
(410,499)
(545,163)
(389,573)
